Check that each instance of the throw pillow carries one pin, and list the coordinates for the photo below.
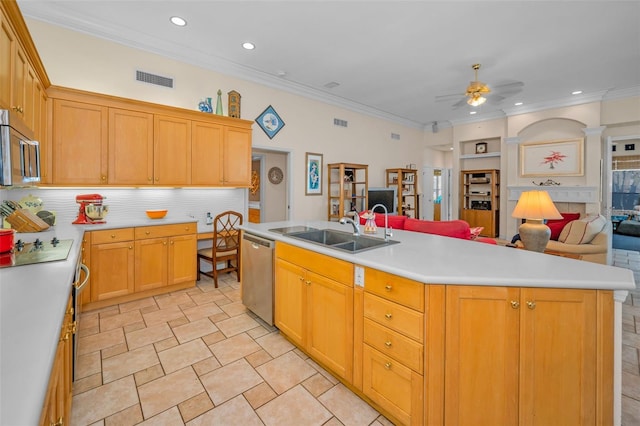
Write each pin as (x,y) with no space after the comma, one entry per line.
(557,225)
(582,231)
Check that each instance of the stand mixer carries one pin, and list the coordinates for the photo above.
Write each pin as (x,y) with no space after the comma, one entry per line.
(92,209)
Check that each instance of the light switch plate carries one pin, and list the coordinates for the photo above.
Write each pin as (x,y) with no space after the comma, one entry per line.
(358,276)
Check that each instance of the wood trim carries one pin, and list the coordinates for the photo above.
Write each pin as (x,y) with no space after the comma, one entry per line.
(66,93)
(13,13)
(434,355)
(605,354)
(358,336)
(136,296)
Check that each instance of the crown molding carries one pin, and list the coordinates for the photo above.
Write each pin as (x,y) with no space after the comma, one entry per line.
(622,93)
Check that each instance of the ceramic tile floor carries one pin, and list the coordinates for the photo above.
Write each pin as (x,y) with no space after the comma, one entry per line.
(198,357)
(630,340)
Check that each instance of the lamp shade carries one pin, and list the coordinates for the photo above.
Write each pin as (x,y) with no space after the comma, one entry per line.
(536,205)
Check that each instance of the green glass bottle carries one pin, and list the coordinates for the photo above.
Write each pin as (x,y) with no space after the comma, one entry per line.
(219,103)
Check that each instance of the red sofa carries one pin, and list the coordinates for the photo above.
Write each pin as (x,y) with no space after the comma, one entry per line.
(447,228)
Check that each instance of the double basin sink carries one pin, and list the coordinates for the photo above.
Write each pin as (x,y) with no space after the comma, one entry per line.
(338,240)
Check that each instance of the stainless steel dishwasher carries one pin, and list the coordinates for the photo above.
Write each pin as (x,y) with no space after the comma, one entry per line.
(257,275)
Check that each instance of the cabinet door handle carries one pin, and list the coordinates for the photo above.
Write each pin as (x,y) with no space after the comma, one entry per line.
(60,422)
(65,337)
(515,304)
(301,278)
(164,243)
(388,287)
(387,344)
(387,365)
(388,316)
(308,282)
(531,305)
(170,242)
(130,247)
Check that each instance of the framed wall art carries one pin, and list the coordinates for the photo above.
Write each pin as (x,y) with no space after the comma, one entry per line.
(313,174)
(554,158)
(270,122)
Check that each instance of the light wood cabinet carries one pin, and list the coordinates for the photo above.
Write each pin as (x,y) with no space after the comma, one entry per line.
(171,150)
(21,72)
(406,183)
(480,200)
(135,143)
(393,344)
(129,263)
(130,149)
(348,189)
(521,356)
(80,143)
(314,306)
(165,255)
(112,263)
(57,403)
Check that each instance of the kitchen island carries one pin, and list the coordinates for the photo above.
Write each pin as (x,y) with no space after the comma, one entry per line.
(525,335)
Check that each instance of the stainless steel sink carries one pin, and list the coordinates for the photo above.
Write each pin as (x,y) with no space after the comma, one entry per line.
(340,240)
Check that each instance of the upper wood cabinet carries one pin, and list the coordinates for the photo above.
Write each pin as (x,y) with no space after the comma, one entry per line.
(171,151)
(21,71)
(130,147)
(126,142)
(80,144)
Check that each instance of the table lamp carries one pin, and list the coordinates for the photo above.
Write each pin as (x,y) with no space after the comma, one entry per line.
(535,206)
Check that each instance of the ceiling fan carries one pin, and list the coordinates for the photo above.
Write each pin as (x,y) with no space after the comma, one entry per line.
(476,91)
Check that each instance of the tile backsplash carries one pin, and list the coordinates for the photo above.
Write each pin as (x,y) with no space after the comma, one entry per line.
(132,202)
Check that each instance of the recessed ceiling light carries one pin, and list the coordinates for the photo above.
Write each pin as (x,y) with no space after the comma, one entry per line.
(473,112)
(577,92)
(518,103)
(248,45)
(176,20)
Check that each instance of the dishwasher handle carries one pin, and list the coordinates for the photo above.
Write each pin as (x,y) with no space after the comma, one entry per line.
(256,241)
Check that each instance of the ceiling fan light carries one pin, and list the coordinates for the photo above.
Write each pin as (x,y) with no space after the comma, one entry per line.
(476,100)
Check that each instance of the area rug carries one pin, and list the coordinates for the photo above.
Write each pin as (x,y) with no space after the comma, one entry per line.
(626,242)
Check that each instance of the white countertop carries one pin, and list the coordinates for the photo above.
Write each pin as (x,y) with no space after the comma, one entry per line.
(33,299)
(442,260)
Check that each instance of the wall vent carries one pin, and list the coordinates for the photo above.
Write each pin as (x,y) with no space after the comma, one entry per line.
(158,80)
(395,136)
(338,122)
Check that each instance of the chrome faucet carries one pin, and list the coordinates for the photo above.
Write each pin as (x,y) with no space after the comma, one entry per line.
(387,230)
(356,228)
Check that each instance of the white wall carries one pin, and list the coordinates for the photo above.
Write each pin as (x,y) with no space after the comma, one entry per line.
(84,62)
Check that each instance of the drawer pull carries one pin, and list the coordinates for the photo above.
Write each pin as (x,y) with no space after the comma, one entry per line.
(164,243)
(388,316)
(388,287)
(515,304)
(301,278)
(308,282)
(130,247)
(531,305)
(387,365)
(171,242)
(113,235)
(147,232)
(387,344)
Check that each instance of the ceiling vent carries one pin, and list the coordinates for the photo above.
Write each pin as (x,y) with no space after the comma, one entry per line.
(158,80)
(338,122)
(395,136)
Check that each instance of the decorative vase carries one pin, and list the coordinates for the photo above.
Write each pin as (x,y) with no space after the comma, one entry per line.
(205,106)
(219,103)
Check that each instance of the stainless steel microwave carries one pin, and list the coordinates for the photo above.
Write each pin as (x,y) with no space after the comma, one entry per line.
(19,153)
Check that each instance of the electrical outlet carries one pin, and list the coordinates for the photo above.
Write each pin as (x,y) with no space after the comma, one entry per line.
(209,219)
(358,276)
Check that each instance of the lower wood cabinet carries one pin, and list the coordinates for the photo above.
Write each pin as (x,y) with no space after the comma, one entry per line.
(314,306)
(127,261)
(527,356)
(57,403)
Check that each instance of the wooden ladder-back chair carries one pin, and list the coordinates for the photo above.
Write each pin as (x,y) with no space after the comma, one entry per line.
(225,248)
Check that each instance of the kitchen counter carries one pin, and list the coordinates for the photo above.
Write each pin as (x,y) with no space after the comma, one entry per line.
(33,299)
(442,260)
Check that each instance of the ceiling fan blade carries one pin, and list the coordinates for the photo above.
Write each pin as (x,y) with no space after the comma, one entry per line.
(460,103)
(508,89)
(448,98)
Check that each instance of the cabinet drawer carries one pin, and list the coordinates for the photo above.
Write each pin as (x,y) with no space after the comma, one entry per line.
(394,344)
(161,231)
(392,385)
(111,235)
(392,287)
(327,266)
(399,318)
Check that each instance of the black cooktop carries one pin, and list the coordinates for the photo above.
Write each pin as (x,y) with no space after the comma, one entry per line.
(36,252)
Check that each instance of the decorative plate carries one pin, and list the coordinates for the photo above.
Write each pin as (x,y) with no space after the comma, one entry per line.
(270,122)
(275,175)
(34,204)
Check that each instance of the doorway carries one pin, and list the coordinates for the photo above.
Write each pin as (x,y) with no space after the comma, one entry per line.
(270,201)
(436,195)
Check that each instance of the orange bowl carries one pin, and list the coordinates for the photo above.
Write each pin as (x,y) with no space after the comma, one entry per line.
(156,214)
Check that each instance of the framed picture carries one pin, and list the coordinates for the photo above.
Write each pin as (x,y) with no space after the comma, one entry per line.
(313,174)
(270,122)
(554,158)
(481,148)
